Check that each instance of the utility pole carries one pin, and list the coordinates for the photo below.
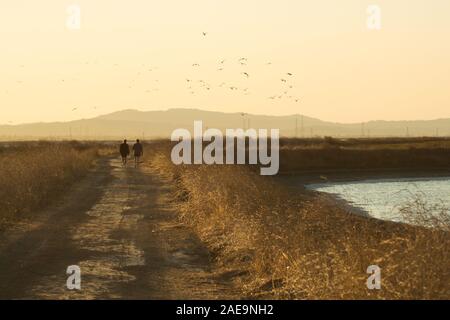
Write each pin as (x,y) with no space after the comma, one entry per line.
(243,120)
(302,127)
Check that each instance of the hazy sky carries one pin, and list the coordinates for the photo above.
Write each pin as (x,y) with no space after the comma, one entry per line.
(139,53)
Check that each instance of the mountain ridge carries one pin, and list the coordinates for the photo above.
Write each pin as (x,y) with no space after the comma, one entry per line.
(160,124)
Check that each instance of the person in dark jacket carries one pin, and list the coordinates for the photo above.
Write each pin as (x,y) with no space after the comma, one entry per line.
(124,152)
(138,152)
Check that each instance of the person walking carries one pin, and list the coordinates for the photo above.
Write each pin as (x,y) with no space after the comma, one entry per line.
(124,152)
(138,152)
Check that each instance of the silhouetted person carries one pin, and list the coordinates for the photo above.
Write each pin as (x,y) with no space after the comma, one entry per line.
(124,152)
(138,152)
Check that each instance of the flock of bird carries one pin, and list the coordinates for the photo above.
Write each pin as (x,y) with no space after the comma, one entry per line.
(243,62)
(286,81)
(194,85)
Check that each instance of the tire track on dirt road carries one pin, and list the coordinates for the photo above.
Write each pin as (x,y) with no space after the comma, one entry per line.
(119,227)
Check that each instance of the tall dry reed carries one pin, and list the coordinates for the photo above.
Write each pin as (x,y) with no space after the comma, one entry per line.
(32,175)
(303,245)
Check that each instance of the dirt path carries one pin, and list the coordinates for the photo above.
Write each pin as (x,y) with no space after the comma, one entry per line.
(118,226)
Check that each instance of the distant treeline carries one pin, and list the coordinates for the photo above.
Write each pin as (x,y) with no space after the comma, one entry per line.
(364,154)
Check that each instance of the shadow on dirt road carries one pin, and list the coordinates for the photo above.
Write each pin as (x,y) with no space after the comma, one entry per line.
(119,227)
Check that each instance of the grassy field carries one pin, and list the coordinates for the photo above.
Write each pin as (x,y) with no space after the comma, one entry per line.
(287,244)
(33,174)
(300,155)
(272,240)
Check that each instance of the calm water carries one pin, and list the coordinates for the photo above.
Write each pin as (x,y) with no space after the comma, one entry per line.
(382,199)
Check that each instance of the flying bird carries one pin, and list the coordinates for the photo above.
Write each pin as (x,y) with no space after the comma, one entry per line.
(246,74)
(289,74)
(243,61)
(195,65)
(204,34)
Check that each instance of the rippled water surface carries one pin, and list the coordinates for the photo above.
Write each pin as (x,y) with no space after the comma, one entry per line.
(382,199)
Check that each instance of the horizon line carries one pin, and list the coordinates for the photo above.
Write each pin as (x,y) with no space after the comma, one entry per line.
(222,112)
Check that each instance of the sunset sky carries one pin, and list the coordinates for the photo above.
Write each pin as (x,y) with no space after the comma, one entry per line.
(140,53)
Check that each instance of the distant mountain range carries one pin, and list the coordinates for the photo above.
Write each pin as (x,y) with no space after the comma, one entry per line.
(160,124)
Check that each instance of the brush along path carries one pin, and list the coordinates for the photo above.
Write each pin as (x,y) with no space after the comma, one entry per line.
(119,227)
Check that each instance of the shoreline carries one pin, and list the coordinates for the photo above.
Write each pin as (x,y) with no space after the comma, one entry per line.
(303,178)
(343,204)
(300,182)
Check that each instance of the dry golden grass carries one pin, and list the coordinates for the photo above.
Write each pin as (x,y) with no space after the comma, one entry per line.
(298,155)
(34,174)
(302,246)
